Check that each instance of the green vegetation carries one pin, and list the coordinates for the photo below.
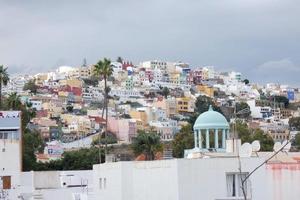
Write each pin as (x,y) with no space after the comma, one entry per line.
(120,59)
(31,86)
(32,143)
(13,101)
(281,100)
(183,140)
(82,159)
(240,107)
(246,81)
(4,78)
(103,69)
(93,81)
(249,135)
(294,122)
(296,142)
(111,139)
(202,104)
(165,92)
(147,143)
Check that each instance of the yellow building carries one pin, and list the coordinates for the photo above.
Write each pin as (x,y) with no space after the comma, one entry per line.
(185,104)
(139,115)
(63,94)
(174,77)
(206,90)
(54,110)
(140,125)
(77,124)
(71,82)
(85,72)
(168,105)
(40,78)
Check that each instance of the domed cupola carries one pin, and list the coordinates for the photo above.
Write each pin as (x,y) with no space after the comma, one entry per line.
(210,131)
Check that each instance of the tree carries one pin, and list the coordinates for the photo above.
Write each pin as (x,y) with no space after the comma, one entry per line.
(242,131)
(111,139)
(103,69)
(183,140)
(92,81)
(294,123)
(120,59)
(4,78)
(13,101)
(281,99)
(202,104)
(246,81)
(297,141)
(240,106)
(248,135)
(165,92)
(31,86)
(32,143)
(69,108)
(147,143)
(266,141)
(82,159)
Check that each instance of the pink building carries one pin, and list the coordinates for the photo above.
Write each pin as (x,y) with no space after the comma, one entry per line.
(124,129)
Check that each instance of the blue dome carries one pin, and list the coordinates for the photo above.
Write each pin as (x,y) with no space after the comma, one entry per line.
(211,120)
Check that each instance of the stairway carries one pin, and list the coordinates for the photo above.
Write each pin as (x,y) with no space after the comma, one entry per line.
(37,195)
(168,153)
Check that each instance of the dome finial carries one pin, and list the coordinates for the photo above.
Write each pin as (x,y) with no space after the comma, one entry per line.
(210,108)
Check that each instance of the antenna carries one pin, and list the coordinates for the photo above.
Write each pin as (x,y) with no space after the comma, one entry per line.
(277,146)
(255,146)
(246,150)
(84,63)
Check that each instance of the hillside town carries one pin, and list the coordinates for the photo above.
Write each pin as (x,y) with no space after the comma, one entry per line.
(149,100)
(154,95)
(112,105)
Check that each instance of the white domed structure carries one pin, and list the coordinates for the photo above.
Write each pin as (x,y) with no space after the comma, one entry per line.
(211,130)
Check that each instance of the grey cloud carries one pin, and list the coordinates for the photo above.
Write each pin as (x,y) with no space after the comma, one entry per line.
(228,34)
(279,71)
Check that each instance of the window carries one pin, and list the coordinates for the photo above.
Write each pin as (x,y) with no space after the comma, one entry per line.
(100,183)
(234,184)
(104,183)
(5,182)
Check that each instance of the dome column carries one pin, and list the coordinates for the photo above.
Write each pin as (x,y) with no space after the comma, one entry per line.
(207,138)
(195,138)
(216,139)
(223,138)
(199,139)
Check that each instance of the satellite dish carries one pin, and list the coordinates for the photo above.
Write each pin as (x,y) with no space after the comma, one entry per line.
(277,146)
(246,150)
(255,146)
(287,147)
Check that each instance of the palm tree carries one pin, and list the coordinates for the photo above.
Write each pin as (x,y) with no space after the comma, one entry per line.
(103,69)
(147,143)
(4,78)
(14,102)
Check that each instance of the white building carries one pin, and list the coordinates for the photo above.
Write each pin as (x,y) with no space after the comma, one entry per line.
(178,179)
(155,64)
(259,112)
(10,152)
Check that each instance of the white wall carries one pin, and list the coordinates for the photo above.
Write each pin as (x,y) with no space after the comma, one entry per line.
(177,179)
(283,181)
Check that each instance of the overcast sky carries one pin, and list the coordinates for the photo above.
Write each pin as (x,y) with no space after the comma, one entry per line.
(260,38)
